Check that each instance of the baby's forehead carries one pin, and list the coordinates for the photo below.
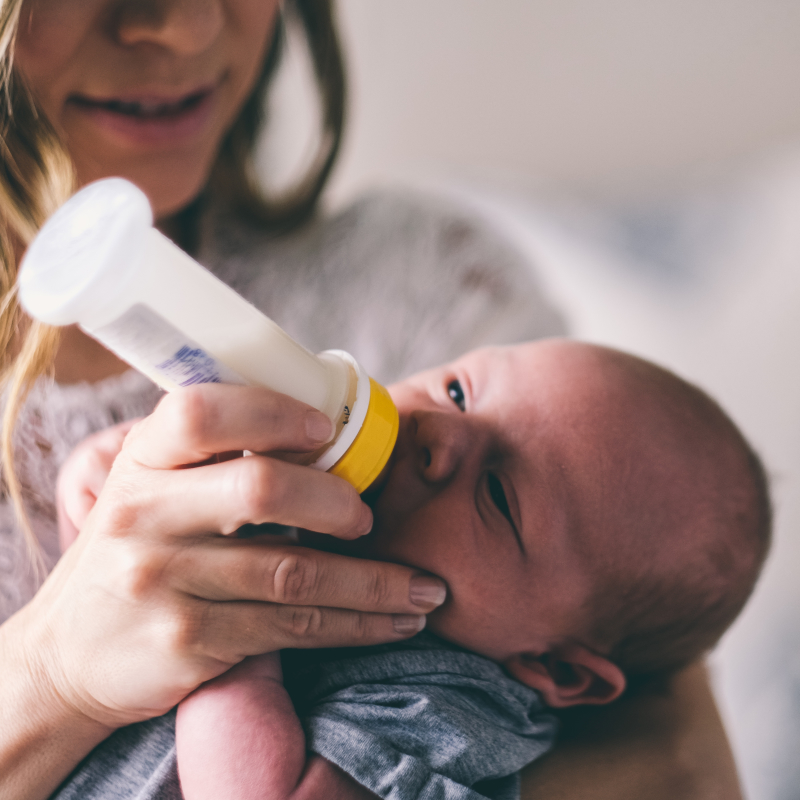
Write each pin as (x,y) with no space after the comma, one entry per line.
(572,372)
(629,414)
(636,443)
(615,444)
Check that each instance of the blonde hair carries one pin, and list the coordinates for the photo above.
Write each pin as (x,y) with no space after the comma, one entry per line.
(36,176)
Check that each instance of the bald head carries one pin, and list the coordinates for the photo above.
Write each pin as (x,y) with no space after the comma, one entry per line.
(687,516)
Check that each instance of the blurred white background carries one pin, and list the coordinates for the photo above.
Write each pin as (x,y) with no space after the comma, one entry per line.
(647,155)
(618,98)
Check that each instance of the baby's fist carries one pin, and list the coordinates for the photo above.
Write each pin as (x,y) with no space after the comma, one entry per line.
(82,477)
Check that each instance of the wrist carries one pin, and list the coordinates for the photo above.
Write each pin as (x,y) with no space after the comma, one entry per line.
(42,735)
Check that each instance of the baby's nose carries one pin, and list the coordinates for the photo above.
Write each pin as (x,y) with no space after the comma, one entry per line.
(440,442)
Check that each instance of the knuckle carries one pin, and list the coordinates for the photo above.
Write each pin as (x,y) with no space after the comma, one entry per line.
(295,579)
(188,415)
(260,489)
(378,590)
(118,513)
(302,622)
(140,573)
(183,631)
(360,626)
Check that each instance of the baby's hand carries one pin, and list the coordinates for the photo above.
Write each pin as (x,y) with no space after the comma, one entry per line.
(82,477)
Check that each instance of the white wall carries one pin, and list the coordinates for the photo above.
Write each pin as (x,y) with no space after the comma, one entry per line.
(611,98)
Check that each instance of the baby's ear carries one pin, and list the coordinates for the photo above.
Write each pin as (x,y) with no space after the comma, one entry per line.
(569,675)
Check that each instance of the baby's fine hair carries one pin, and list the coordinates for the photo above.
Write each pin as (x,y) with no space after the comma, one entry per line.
(662,619)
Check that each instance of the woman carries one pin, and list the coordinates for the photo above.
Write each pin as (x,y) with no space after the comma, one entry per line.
(147,605)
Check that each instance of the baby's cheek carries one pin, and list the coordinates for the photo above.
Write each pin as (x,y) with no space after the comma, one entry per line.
(456,625)
(471,620)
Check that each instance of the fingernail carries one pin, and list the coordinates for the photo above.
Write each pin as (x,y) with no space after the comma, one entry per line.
(318,427)
(365,522)
(427,591)
(408,623)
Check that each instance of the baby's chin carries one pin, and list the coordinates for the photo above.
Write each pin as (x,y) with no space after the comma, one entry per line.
(376,545)
(323,541)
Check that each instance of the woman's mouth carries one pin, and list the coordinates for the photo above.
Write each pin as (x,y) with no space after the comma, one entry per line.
(148,119)
(144,108)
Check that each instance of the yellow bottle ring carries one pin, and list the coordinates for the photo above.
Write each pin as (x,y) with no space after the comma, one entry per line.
(370,450)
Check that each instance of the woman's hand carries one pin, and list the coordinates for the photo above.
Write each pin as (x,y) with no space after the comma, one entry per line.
(151,601)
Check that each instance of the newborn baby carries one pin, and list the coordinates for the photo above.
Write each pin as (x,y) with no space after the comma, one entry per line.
(596,519)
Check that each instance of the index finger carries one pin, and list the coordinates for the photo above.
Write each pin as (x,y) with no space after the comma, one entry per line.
(249,569)
(191,425)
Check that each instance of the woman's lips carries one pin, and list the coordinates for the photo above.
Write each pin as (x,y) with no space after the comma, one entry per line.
(148,118)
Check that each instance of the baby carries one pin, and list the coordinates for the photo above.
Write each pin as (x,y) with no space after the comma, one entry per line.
(596,519)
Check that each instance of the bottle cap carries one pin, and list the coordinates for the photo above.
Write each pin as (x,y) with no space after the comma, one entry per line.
(372,446)
(85,254)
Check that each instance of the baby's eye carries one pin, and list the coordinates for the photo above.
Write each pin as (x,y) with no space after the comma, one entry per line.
(498,495)
(456,394)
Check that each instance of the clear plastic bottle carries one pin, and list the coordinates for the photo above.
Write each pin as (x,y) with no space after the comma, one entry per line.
(98,262)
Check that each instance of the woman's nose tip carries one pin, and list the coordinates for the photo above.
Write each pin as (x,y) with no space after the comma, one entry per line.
(186,27)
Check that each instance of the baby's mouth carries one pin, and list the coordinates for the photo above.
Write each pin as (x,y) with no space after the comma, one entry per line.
(144,109)
(371,495)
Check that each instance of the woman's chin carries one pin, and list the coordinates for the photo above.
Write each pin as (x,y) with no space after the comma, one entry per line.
(169,191)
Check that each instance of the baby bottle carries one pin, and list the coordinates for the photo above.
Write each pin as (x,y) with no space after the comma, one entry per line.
(100,263)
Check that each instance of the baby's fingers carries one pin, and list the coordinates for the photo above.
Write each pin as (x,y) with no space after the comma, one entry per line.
(82,477)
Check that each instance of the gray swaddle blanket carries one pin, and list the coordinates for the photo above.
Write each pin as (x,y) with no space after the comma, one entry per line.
(414,720)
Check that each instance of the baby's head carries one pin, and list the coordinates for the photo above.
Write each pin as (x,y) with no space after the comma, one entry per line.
(595,516)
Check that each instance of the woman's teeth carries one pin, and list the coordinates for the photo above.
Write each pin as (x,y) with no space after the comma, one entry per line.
(143,108)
